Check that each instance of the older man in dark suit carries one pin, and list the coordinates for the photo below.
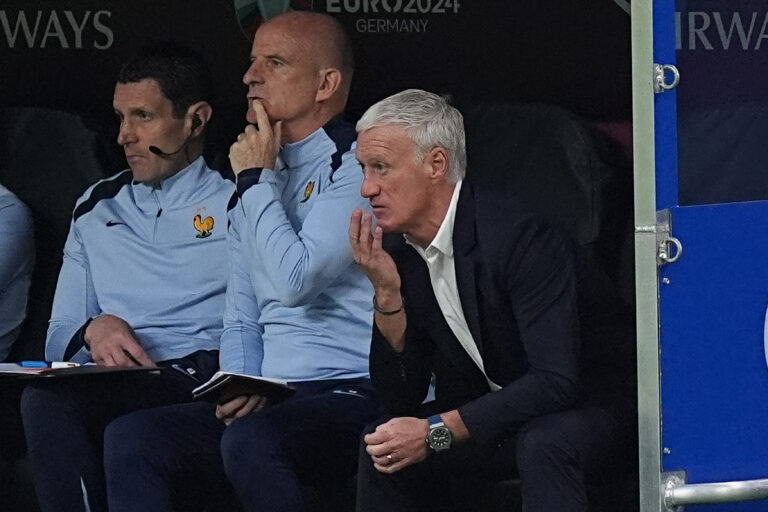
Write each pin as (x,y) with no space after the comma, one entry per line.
(493,303)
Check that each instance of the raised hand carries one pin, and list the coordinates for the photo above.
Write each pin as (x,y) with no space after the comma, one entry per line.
(372,258)
(258,145)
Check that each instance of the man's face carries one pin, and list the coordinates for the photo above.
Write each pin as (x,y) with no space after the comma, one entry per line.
(146,119)
(397,186)
(283,74)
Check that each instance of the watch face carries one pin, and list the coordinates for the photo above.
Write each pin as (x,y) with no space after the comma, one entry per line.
(439,438)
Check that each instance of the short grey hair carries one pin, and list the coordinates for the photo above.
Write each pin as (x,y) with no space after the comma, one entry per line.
(430,122)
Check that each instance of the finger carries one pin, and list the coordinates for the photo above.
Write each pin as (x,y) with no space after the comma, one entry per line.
(250,132)
(384,432)
(365,227)
(377,237)
(354,226)
(262,119)
(377,437)
(380,450)
(354,233)
(261,404)
(240,137)
(277,131)
(253,400)
(365,233)
(385,460)
(108,360)
(138,355)
(142,357)
(123,358)
(219,415)
(229,408)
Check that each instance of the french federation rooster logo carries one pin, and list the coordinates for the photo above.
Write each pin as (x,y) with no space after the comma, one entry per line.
(308,191)
(203,226)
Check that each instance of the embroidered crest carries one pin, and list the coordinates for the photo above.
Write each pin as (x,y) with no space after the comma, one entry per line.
(308,191)
(203,226)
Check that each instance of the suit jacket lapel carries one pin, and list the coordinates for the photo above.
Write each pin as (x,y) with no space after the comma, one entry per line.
(423,302)
(464,242)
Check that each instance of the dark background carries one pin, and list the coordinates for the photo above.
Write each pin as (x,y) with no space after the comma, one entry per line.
(573,53)
(58,131)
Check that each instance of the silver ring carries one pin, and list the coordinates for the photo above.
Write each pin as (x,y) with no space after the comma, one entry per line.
(389,458)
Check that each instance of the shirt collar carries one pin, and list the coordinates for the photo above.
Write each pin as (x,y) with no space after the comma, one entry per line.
(307,149)
(172,191)
(443,241)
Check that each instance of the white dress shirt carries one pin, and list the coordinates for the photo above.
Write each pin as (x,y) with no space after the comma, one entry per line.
(442,273)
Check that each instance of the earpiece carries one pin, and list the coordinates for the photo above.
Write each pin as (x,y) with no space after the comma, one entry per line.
(196,122)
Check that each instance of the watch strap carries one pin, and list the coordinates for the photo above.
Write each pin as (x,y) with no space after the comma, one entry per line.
(435,421)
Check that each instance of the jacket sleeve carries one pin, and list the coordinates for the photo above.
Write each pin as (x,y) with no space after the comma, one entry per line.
(539,278)
(242,348)
(17,257)
(401,378)
(18,242)
(74,304)
(303,264)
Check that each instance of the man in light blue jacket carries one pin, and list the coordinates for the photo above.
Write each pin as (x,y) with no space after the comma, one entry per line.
(142,282)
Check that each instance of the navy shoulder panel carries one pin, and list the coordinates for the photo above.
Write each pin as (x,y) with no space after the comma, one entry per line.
(233,200)
(343,134)
(104,190)
(231,204)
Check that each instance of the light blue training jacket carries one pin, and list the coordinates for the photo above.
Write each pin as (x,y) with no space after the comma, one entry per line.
(17,257)
(154,256)
(298,308)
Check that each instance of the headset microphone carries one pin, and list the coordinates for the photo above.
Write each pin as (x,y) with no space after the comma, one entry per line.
(195,124)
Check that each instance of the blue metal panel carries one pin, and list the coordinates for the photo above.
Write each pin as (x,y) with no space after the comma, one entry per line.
(713,365)
(665,136)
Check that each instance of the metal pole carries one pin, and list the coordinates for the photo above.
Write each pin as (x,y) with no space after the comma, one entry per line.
(719,492)
(646,281)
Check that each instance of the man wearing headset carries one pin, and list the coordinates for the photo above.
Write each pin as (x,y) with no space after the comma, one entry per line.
(142,282)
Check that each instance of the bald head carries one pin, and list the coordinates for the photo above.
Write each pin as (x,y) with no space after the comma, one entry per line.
(322,37)
(300,72)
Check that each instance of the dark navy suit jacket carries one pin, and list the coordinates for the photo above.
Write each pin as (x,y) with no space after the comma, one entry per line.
(547,326)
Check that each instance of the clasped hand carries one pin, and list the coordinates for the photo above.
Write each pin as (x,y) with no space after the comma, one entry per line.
(398,443)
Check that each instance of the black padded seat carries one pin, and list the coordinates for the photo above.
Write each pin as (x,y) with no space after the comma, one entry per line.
(560,166)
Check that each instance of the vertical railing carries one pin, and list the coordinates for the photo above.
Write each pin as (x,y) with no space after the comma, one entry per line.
(646,282)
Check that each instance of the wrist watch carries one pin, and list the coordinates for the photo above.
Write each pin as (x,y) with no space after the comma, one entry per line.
(439,437)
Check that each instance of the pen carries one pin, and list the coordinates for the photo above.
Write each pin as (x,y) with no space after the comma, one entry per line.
(47,364)
(34,364)
(63,364)
(133,359)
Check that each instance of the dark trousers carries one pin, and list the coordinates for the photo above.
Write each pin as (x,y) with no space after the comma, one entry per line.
(154,459)
(551,456)
(11,432)
(64,422)
(15,489)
